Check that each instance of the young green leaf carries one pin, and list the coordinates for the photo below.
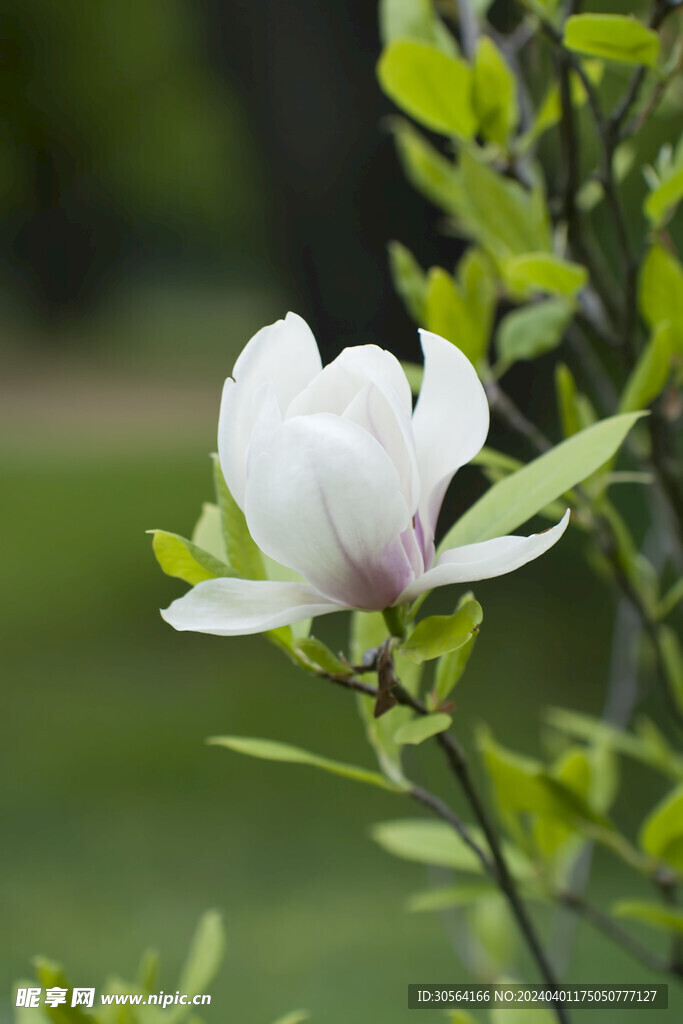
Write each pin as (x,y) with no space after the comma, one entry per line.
(517,498)
(615,37)
(449,896)
(440,634)
(672,661)
(567,393)
(410,280)
(447,314)
(494,93)
(179,557)
(208,532)
(649,746)
(533,330)
(660,293)
(204,957)
(243,553)
(545,272)
(662,833)
(295,1017)
(661,203)
(416,20)
(414,372)
(651,372)
(432,87)
(423,728)
(435,842)
(670,919)
(429,172)
(270,750)
(320,654)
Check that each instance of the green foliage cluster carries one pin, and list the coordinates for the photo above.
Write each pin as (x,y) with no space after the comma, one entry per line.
(202,963)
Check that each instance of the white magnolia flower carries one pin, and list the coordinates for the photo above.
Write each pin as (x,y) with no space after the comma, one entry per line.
(342,482)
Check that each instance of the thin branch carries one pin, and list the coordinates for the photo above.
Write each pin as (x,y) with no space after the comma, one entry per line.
(443,811)
(609,927)
(498,868)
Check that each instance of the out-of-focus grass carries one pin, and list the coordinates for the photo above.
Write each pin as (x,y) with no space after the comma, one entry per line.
(122,826)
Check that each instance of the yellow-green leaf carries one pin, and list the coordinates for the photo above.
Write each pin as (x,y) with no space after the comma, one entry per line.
(662,833)
(544,272)
(651,372)
(440,634)
(410,280)
(432,87)
(663,200)
(518,497)
(669,919)
(494,93)
(422,728)
(615,37)
(179,557)
(270,750)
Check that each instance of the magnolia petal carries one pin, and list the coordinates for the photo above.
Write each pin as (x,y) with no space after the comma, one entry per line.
(231,607)
(286,354)
(450,422)
(484,560)
(324,500)
(391,426)
(342,379)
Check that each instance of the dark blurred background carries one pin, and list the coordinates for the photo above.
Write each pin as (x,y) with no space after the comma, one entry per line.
(174,175)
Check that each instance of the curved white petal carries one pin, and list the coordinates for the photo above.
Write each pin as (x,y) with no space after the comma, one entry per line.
(342,379)
(324,500)
(284,353)
(390,425)
(484,560)
(231,607)
(450,422)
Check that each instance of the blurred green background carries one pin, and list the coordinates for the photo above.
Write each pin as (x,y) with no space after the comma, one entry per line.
(173,176)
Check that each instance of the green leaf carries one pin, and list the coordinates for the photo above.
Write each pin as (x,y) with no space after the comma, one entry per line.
(672,661)
(295,1017)
(423,728)
(505,218)
(450,667)
(651,372)
(429,172)
(432,87)
(269,750)
(669,919)
(440,634)
(517,498)
(660,292)
(243,554)
(494,93)
(533,330)
(550,111)
(410,280)
(649,746)
(435,842)
(544,272)
(663,200)
(51,975)
(662,833)
(208,532)
(414,372)
(368,631)
(427,842)
(567,393)
(321,655)
(446,312)
(671,599)
(612,36)
(416,20)
(461,1017)
(148,971)
(204,957)
(476,276)
(179,557)
(449,896)
(523,786)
